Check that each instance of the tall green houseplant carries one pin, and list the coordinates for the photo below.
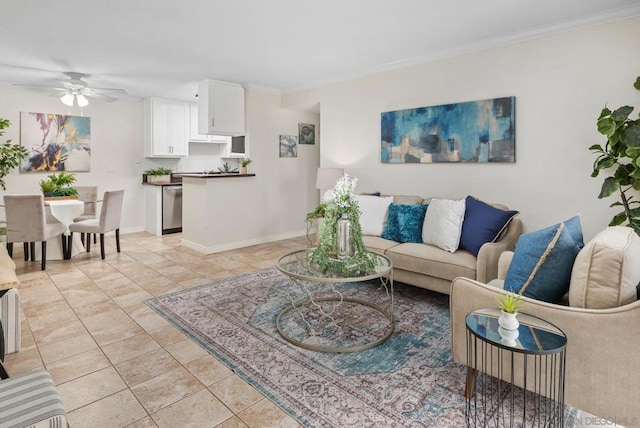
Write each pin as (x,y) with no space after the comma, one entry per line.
(622,152)
(11,155)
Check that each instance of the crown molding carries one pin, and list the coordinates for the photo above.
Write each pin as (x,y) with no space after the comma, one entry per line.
(536,33)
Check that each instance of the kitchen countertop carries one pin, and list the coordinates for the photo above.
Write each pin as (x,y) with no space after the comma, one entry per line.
(200,175)
(176,177)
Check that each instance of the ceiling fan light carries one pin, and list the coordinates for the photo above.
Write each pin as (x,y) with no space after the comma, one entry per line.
(67,99)
(82,100)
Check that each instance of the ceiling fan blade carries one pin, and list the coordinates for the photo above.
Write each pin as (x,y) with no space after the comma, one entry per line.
(102,97)
(111,90)
(39,87)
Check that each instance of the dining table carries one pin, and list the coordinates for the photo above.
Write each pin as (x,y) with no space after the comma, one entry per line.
(64,211)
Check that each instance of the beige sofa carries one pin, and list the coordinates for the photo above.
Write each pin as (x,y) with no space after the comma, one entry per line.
(430,267)
(603,346)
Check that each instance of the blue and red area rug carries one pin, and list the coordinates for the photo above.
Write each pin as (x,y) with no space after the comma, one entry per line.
(408,381)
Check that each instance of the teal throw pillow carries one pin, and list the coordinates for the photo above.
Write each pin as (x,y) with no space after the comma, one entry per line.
(543,260)
(404,223)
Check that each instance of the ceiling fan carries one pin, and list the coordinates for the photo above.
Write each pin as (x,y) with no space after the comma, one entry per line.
(74,90)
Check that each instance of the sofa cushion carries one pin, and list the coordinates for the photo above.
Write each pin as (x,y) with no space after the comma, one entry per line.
(443,223)
(482,223)
(542,261)
(404,223)
(377,244)
(607,270)
(433,261)
(408,199)
(373,211)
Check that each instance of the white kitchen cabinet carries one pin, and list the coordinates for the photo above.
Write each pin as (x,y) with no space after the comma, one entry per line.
(220,108)
(166,128)
(196,137)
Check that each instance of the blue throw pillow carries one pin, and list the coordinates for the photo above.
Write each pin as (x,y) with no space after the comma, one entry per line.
(404,223)
(547,256)
(482,223)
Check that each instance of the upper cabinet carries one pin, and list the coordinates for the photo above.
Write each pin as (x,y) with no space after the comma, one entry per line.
(220,108)
(166,128)
(196,136)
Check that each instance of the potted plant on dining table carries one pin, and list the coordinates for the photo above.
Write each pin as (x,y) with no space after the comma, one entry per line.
(58,186)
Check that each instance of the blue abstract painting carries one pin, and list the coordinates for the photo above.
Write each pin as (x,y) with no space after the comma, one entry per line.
(475,131)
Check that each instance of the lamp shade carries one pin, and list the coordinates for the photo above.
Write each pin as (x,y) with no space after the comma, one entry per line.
(67,99)
(327,177)
(82,100)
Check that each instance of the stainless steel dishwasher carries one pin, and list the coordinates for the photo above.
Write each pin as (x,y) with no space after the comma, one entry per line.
(171,209)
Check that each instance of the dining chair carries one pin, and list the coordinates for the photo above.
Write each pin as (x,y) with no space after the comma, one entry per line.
(27,223)
(88,195)
(109,220)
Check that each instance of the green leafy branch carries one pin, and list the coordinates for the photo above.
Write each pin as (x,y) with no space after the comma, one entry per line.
(622,152)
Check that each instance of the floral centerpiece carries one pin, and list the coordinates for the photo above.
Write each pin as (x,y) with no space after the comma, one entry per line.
(340,203)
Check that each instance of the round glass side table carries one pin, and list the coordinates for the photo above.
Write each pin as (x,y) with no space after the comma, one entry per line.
(514,377)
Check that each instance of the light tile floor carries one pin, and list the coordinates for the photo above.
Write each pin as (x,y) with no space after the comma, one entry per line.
(115,361)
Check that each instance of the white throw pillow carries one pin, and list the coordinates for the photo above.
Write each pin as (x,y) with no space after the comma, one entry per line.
(443,223)
(374,213)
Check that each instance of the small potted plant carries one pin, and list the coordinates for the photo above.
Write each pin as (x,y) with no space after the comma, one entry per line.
(226,169)
(157,175)
(59,186)
(509,303)
(244,163)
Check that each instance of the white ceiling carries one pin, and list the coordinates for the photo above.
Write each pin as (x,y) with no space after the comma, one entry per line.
(165,47)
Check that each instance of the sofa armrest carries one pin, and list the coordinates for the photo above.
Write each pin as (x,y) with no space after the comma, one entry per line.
(603,352)
(490,252)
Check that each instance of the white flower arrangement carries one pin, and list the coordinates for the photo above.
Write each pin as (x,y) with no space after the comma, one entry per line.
(343,191)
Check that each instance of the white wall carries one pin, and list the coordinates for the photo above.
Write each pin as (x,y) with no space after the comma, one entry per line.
(117,151)
(560,82)
(285,188)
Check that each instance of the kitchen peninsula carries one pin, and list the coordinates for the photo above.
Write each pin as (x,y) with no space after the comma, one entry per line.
(217,215)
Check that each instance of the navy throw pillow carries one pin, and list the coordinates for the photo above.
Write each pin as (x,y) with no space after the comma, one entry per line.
(404,223)
(482,223)
(543,260)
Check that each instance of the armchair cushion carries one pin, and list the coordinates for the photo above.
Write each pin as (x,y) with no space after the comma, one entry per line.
(606,271)
(542,261)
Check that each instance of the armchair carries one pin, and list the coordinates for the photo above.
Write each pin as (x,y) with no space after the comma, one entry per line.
(603,350)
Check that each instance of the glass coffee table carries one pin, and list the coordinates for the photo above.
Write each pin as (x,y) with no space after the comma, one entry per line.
(330,312)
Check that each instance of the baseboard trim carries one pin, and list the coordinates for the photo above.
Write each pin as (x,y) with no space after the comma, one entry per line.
(241,244)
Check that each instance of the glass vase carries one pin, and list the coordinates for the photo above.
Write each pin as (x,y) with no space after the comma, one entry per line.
(343,238)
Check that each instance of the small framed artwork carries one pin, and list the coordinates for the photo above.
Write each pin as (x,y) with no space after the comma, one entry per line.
(306,133)
(288,146)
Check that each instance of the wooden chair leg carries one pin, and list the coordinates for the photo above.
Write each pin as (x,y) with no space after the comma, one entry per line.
(70,245)
(32,251)
(118,239)
(102,245)
(44,254)
(88,242)
(64,246)
(25,246)
(10,248)
(94,238)
(82,238)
